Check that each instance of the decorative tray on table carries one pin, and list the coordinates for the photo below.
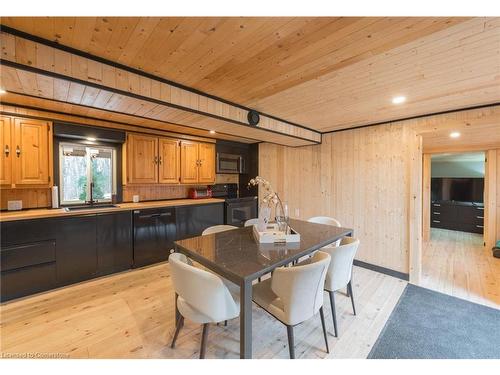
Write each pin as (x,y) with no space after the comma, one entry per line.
(271,234)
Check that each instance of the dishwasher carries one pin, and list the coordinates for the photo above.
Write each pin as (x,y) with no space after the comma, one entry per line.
(154,235)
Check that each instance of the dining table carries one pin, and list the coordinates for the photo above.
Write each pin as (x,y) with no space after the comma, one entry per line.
(237,256)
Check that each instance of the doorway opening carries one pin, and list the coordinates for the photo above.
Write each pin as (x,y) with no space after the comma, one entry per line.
(457,192)
(455,259)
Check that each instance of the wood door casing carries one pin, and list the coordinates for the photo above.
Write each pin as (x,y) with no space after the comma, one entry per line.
(142,157)
(189,162)
(169,161)
(206,156)
(32,163)
(6,156)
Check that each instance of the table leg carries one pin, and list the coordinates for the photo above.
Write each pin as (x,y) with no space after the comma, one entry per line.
(246,320)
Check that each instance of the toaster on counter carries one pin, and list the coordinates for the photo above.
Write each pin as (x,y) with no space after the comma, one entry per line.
(199,193)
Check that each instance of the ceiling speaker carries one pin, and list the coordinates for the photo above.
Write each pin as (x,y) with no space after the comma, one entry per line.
(253,117)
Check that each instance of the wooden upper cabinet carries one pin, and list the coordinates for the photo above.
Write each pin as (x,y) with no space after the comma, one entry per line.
(152,160)
(169,161)
(30,152)
(189,162)
(206,157)
(142,159)
(5,144)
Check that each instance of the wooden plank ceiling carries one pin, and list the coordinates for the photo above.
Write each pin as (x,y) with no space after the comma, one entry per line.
(325,73)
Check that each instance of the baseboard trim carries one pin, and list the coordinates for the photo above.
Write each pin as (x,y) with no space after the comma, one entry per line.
(385,271)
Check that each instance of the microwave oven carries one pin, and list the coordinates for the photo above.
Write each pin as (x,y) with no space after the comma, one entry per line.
(230,163)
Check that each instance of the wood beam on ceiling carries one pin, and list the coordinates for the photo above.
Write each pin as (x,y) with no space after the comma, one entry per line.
(37,69)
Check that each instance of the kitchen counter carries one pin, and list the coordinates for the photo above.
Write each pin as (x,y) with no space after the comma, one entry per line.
(40,213)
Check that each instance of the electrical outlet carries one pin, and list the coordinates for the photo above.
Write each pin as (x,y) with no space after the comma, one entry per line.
(14,205)
(297,212)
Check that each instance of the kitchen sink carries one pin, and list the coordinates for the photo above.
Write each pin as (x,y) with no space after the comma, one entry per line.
(89,207)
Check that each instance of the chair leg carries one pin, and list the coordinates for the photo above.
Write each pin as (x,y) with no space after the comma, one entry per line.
(204,336)
(291,345)
(349,288)
(180,323)
(334,314)
(324,328)
(225,323)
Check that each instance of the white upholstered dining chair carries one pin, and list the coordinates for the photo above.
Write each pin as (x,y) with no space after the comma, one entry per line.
(339,273)
(217,229)
(251,222)
(295,294)
(202,297)
(326,221)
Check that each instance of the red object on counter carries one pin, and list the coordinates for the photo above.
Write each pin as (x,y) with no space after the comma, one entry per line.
(199,193)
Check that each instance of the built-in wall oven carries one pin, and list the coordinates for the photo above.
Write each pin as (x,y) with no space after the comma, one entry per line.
(230,163)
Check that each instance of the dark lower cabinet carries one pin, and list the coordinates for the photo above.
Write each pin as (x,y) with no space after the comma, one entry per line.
(38,255)
(27,268)
(76,249)
(25,281)
(460,216)
(114,242)
(192,220)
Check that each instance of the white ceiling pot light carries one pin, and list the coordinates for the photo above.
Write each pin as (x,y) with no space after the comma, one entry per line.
(398,99)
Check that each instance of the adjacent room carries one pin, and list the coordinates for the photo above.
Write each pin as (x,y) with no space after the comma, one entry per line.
(186,187)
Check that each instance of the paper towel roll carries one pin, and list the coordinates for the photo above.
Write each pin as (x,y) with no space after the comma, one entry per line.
(55,197)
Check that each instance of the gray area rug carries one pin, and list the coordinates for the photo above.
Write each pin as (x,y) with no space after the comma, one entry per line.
(428,324)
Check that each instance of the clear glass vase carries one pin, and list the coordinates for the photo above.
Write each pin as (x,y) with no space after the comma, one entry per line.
(264,217)
(282,218)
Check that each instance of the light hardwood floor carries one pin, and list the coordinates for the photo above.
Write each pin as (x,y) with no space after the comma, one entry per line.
(457,263)
(131,315)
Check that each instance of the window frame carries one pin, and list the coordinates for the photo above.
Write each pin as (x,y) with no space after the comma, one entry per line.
(116,187)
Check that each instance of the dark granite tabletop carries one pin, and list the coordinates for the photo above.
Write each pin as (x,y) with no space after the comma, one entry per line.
(236,254)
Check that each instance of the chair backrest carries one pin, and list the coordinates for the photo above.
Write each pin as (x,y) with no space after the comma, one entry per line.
(300,288)
(250,222)
(340,269)
(201,289)
(217,229)
(324,220)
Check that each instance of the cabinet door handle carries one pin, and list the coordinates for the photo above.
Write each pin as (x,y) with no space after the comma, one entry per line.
(480,208)
(437,205)
(479,226)
(7,150)
(435,221)
(155,160)
(437,213)
(159,160)
(18,151)
(480,217)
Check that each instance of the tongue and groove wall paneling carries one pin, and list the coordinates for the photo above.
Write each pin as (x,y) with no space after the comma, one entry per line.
(360,177)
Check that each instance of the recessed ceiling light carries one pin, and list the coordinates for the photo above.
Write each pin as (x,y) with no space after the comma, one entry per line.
(2,91)
(212,131)
(91,139)
(398,99)
(454,134)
